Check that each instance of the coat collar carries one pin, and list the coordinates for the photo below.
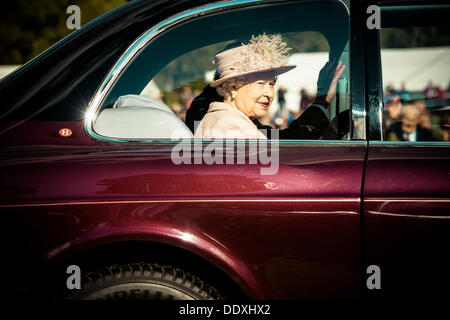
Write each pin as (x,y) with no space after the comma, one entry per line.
(222,106)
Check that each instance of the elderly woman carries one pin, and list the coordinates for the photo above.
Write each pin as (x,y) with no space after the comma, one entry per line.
(247,75)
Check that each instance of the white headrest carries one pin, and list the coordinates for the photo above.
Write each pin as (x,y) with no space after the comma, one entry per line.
(134,100)
(140,117)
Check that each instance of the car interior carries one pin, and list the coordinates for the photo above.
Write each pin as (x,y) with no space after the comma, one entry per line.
(124,113)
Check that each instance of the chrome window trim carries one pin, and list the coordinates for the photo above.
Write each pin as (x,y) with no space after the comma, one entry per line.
(358,63)
(375,101)
(204,142)
(141,42)
(409,143)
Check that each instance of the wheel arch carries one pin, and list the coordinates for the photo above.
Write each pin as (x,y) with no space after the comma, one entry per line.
(197,257)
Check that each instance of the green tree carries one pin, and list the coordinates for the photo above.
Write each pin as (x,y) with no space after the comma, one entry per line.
(29,27)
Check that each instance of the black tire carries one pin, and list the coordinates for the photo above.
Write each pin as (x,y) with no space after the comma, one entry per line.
(143,281)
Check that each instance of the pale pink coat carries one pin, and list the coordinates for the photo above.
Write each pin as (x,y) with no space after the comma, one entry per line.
(223,121)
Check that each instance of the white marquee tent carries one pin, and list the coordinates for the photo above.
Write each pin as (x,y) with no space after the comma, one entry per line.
(414,67)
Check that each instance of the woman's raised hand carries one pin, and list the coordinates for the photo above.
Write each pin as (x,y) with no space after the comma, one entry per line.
(328,77)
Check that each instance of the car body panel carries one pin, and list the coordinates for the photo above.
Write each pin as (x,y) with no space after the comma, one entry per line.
(105,193)
(407,216)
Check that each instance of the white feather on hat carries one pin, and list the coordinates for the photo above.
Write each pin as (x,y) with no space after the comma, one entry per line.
(263,53)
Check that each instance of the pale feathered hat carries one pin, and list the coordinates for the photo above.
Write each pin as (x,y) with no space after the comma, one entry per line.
(263,53)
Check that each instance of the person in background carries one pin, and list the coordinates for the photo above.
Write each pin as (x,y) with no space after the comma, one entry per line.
(291,117)
(408,128)
(393,107)
(305,99)
(441,92)
(282,98)
(390,90)
(186,97)
(196,94)
(431,92)
(429,121)
(404,94)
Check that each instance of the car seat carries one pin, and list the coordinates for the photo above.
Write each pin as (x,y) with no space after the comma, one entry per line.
(140,117)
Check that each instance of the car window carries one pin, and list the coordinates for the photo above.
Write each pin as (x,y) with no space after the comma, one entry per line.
(175,66)
(415,57)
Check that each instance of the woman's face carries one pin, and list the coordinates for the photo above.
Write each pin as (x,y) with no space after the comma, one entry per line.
(255,97)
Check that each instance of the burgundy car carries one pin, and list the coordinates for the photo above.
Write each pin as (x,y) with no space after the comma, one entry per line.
(91,184)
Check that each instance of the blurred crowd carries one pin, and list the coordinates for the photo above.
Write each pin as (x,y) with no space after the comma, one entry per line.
(179,100)
(416,115)
(408,115)
(283,117)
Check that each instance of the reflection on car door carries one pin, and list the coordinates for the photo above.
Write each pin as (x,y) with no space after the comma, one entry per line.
(297,230)
(407,216)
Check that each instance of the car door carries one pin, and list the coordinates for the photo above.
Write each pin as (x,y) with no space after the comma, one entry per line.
(407,185)
(297,229)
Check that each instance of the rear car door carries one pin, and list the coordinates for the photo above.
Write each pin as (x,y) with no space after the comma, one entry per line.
(406,228)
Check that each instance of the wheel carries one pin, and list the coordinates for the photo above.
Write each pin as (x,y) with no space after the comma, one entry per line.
(143,281)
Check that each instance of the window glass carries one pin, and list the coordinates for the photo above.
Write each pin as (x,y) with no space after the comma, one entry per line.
(176,66)
(416,78)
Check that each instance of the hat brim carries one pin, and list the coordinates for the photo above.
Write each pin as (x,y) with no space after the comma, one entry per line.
(274,72)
